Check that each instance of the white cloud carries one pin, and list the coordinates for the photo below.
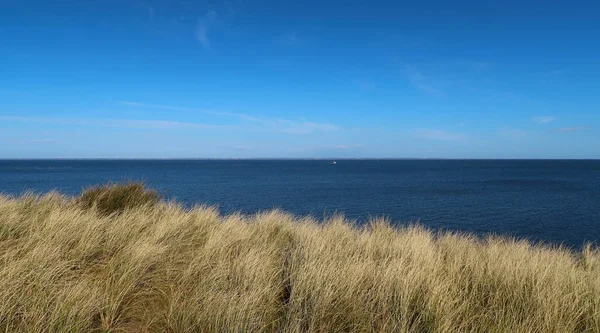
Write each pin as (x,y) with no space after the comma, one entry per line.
(555,72)
(435,134)
(290,38)
(340,147)
(271,124)
(572,129)
(156,124)
(38,141)
(181,108)
(205,23)
(125,123)
(153,105)
(366,85)
(543,119)
(151,13)
(420,81)
(250,122)
(343,147)
(480,66)
(293,127)
(513,133)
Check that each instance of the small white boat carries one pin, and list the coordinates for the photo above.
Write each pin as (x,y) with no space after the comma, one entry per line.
(334,162)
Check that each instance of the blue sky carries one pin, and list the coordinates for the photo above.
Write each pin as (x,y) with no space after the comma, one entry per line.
(169,79)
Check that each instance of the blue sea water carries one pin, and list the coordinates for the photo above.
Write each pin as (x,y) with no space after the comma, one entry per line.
(554,201)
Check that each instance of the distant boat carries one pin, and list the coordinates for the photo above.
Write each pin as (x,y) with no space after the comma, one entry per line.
(334,162)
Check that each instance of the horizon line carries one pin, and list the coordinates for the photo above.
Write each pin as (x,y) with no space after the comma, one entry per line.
(287,158)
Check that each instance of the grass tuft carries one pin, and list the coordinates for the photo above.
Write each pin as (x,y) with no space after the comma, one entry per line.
(115,198)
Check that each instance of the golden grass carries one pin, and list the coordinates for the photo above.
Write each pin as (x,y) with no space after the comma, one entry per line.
(162,268)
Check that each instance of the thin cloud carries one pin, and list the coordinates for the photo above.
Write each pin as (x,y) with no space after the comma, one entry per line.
(366,85)
(180,108)
(151,13)
(555,72)
(572,129)
(153,105)
(480,66)
(339,147)
(513,133)
(543,119)
(293,127)
(270,124)
(34,141)
(290,38)
(420,81)
(205,23)
(435,134)
(346,147)
(157,124)
(124,123)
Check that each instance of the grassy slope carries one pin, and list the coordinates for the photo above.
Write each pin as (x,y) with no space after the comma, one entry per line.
(70,266)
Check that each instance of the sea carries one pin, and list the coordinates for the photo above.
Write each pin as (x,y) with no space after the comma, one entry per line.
(556,202)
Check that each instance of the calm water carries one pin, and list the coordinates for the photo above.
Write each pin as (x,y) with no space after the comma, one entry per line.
(551,201)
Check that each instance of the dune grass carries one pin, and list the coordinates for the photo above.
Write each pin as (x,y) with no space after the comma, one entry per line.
(117,259)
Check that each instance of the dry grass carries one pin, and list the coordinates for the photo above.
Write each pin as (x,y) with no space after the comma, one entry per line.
(115,198)
(156,267)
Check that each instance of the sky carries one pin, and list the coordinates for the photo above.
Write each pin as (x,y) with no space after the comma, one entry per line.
(299,79)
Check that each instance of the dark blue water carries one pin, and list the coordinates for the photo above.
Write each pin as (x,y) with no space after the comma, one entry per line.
(550,201)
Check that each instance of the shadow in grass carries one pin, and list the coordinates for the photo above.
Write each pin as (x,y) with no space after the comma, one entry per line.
(112,199)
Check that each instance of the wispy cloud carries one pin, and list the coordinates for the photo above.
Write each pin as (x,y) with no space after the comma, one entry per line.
(169,107)
(289,38)
(572,129)
(205,23)
(270,124)
(181,108)
(345,147)
(512,133)
(125,123)
(480,66)
(338,147)
(366,85)
(34,141)
(420,81)
(555,72)
(151,13)
(543,119)
(294,127)
(436,134)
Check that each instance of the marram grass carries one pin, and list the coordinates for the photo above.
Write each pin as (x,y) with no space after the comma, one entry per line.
(128,265)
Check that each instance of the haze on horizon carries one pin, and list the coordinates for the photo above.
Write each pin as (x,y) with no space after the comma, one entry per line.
(310,79)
